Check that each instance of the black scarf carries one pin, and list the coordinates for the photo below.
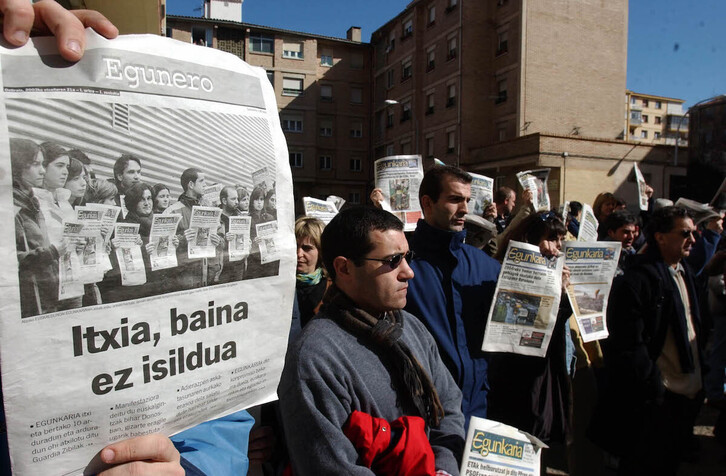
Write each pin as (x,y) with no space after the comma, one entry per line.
(413,385)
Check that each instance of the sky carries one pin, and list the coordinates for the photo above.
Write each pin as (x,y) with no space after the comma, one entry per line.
(676,48)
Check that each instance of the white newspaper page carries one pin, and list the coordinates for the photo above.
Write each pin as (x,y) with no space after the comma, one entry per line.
(128,254)
(496,449)
(399,177)
(588,225)
(267,240)
(482,193)
(94,259)
(211,195)
(323,210)
(163,231)
(239,245)
(642,197)
(526,301)
(336,200)
(110,216)
(699,211)
(263,178)
(205,222)
(184,347)
(536,182)
(592,269)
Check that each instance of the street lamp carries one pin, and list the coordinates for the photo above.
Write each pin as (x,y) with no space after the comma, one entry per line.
(393,102)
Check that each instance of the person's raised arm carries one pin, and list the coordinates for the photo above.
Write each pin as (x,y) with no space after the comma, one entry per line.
(47,17)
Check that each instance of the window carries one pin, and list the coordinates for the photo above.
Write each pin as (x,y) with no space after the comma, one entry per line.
(356,61)
(502,43)
(271,77)
(645,118)
(389,78)
(643,134)
(391,42)
(326,60)
(406,111)
(296,160)
(261,43)
(429,147)
(407,28)
(292,123)
(356,95)
(406,148)
(292,86)
(656,135)
(645,103)
(501,3)
(389,119)
(451,6)
(430,103)
(633,100)
(355,165)
(432,15)
(202,36)
(502,133)
(452,48)
(450,142)
(502,91)
(356,128)
(390,150)
(354,198)
(658,119)
(406,69)
(431,59)
(451,97)
(658,105)
(292,50)
(326,163)
(326,92)
(326,127)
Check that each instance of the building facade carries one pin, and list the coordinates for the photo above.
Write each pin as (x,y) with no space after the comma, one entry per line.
(323,91)
(707,150)
(655,119)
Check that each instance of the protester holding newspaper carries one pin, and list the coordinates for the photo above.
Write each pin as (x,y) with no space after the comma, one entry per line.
(161,196)
(533,393)
(76,182)
(259,214)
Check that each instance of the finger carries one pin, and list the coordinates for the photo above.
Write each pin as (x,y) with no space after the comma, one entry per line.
(50,17)
(95,20)
(17,20)
(154,447)
(145,468)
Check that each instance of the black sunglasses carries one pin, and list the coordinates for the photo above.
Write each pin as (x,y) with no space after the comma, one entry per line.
(686,233)
(394,260)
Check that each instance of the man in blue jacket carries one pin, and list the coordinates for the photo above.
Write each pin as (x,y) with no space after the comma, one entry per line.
(454,284)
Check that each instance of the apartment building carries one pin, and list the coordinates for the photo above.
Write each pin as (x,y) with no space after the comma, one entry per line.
(655,119)
(707,150)
(323,91)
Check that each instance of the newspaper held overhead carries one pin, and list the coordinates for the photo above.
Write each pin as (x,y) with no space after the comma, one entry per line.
(128,254)
(700,212)
(588,225)
(399,178)
(337,201)
(323,210)
(526,302)
(536,182)
(185,346)
(592,269)
(496,449)
(642,196)
(482,193)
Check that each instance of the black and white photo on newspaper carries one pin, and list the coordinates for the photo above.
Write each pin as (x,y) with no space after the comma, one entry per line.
(536,182)
(399,178)
(111,326)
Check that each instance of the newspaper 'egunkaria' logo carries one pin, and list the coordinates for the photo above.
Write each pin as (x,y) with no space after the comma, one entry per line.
(485,443)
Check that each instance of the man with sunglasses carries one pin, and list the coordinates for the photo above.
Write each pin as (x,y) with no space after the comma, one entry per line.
(364,390)
(454,283)
(653,355)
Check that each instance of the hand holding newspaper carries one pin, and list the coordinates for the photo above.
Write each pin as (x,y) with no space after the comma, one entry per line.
(536,182)
(399,178)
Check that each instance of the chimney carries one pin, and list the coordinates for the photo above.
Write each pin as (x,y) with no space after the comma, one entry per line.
(353,34)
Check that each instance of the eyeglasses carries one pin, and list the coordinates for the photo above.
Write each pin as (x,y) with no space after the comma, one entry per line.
(686,233)
(394,260)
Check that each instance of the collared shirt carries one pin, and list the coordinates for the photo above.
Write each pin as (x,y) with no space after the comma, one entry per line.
(674,379)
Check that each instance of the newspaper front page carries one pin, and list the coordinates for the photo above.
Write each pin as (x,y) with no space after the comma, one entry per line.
(592,269)
(239,245)
(88,364)
(323,210)
(588,225)
(94,256)
(642,196)
(205,222)
(399,178)
(536,182)
(496,449)
(128,254)
(482,193)
(526,302)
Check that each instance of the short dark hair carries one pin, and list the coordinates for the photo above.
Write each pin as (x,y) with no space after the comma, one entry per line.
(52,151)
(22,154)
(189,175)
(121,164)
(431,183)
(575,208)
(533,229)
(614,221)
(224,193)
(134,194)
(662,221)
(79,155)
(348,234)
(502,194)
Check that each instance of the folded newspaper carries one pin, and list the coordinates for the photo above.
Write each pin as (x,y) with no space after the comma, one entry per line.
(90,355)
(399,178)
